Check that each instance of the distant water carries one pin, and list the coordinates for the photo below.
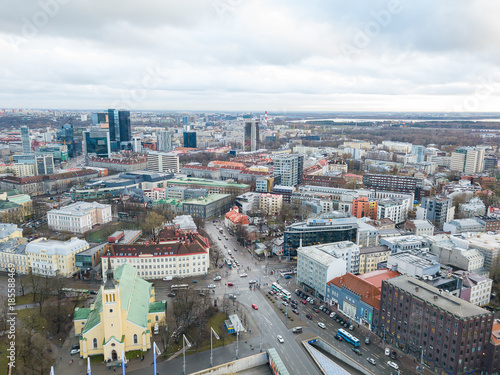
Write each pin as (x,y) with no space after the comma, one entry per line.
(394,119)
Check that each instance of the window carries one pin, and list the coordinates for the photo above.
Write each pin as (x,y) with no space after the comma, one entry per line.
(94,343)
(135,339)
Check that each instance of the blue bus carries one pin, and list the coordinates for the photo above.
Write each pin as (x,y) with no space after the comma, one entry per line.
(348,337)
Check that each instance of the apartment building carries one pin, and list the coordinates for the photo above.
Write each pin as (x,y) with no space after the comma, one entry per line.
(395,183)
(362,207)
(290,168)
(391,208)
(475,288)
(436,209)
(371,258)
(79,217)
(468,160)
(163,162)
(270,204)
(489,246)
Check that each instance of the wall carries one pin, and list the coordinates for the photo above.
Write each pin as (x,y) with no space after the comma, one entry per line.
(235,366)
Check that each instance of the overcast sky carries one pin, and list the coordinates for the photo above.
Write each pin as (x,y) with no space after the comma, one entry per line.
(275,55)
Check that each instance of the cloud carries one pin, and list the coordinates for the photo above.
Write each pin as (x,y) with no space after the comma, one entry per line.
(252,54)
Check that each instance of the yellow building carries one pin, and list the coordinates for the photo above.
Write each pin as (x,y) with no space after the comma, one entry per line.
(50,258)
(121,318)
(9,231)
(370,257)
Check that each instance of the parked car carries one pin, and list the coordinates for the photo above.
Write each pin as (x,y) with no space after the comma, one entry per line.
(284,303)
(74,351)
(77,346)
(332,315)
(211,286)
(230,284)
(243,275)
(351,328)
(367,340)
(303,301)
(315,309)
(195,281)
(93,292)
(218,278)
(322,325)
(171,294)
(295,311)
(393,355)
(288,276)
(297,330)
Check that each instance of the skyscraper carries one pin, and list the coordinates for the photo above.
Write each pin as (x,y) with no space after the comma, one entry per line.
(25,139)
(97,142)
(44,164)
(114,125)
(190,139)
(125,128)
(251,140)
(99,118)
(290,168)
(164,141)
(66,135)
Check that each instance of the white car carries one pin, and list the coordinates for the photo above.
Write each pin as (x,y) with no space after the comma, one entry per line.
(393,365)
(211,286)
(332,315)
(252,281)
(74,351)
(243,275)
(322,325)
(280,339)
(217,278)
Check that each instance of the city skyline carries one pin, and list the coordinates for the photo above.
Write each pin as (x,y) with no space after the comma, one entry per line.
(234,55)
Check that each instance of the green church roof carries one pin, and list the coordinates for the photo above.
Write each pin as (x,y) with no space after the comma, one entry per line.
(82,313)
(157,307)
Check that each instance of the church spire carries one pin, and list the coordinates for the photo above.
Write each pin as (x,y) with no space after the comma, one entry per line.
(110,281)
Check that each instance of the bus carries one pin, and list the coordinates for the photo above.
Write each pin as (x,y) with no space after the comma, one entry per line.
(123,214)
(277,287)
(70,292)
(348,337)
(179,286)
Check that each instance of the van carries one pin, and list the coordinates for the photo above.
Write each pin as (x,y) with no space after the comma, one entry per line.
(387,352)
(367,340)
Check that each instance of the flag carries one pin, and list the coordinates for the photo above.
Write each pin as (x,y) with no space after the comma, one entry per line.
(89,371)
(123,362)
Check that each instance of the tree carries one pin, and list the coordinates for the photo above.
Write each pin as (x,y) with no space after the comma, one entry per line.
(241,233)
(215,253)
(186,307)
(166,329)
(152,223)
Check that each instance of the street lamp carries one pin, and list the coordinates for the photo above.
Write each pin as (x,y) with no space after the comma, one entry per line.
(184,341)
(218,338)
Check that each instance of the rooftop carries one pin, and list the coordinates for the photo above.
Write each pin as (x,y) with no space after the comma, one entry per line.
(78,208)
(52,247)
(431,295)
(211,198)
(319,256)
(205,182)
(373,249)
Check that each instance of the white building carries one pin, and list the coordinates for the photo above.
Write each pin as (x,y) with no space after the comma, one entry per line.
(468,160)
(458,226)
(79,217)
(163,162)
(489,246)
(270,204)
(403,243)
(454,251)
(474,207)
(316,267)
(51,258)
(475,288)
(414,263)
(390,208)
(420,227)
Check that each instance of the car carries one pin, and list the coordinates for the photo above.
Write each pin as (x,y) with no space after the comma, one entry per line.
(295,311)
(337,337)
(371,360)
(171,294)
(303,301)
(74,351)
(211,286)
(293,306)
(297,330)
(168,278)
(351,328)
(357,351)
(284,303)
(230,284)
(387,352)
(322,325)
(252,281)
(217,278)
(280,339)
(367,340)
(288,277)
(315,309)
(321,307)
(393,365)
(308,299)
(77,346)
(293,301)
(393,355)
(309,316)
(195,281)
(93,292)
(332,315)
(232,296)
(346,325)
(270,292)
(202,293)
(254,306)
(243,275)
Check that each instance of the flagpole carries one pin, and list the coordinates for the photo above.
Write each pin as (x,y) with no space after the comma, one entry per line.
(89,370)
(123,362)
(154,356)
(51,370)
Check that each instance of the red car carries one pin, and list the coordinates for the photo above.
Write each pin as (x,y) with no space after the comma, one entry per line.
(254,306)
(230,284)
(303,301)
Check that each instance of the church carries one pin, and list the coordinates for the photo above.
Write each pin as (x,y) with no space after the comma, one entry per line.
(121,318)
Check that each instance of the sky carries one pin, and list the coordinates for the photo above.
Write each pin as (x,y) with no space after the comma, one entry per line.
(251,55)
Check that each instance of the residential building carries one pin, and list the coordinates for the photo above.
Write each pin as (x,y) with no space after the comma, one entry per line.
(213,205)
(164,141)
(178,258)
(419,227)
(318,231)
(458,226)
(392,208)
(419,151)
(371,258)
(122,317)
(415,263)
(468,160)
(382,224)
(270,204)
(23,170)
(447,333)
(492,352)
(286,191)
(362,207)
(163,162)
(290,168)
(403,243)
(251,140)
(212,186)
(489,246)
(489,223)
(327,181)
(346,250)
(474,207)
(315,267)
(395,183)
(51,258)
(438,210)
(79,217)
(358,297)
(25,140)
(190,139)
(234,218)
(367,235)
(476,289)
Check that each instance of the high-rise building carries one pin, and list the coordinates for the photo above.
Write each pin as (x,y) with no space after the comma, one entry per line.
(97,142)
(25,139)
(468,160)
(419,151)
(164,141)
(251,140)
(99,118)
(125,128)
(397,183)
(190,139)
(437,209)
(114,125)
(136,144)
(66,135)
(290,168)
(163,162)
(44,164)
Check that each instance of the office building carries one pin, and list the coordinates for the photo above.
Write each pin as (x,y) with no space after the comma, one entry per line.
(163,162)
(190,139)
(79,217)
(137,145)
(454,251)
(124,126)
(98,119)
(213,205)
(66,136)
(212,186)
(25,139)
(399,244)
(372,258)
(290,168)
(489,223)
(252,139)
(395,183)
(438,210)
(51,258)
(97,143)
(419,151)
(164,141)
(448,334)
(318,231)
(358,297)
(315,267)
(122,317)
(468,160)
(458,226)
(44,164)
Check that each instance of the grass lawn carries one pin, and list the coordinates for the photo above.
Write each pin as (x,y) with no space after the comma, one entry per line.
(134,354)
(25,315)
(3,350)
(101,235)
(23,300)
(97,359)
